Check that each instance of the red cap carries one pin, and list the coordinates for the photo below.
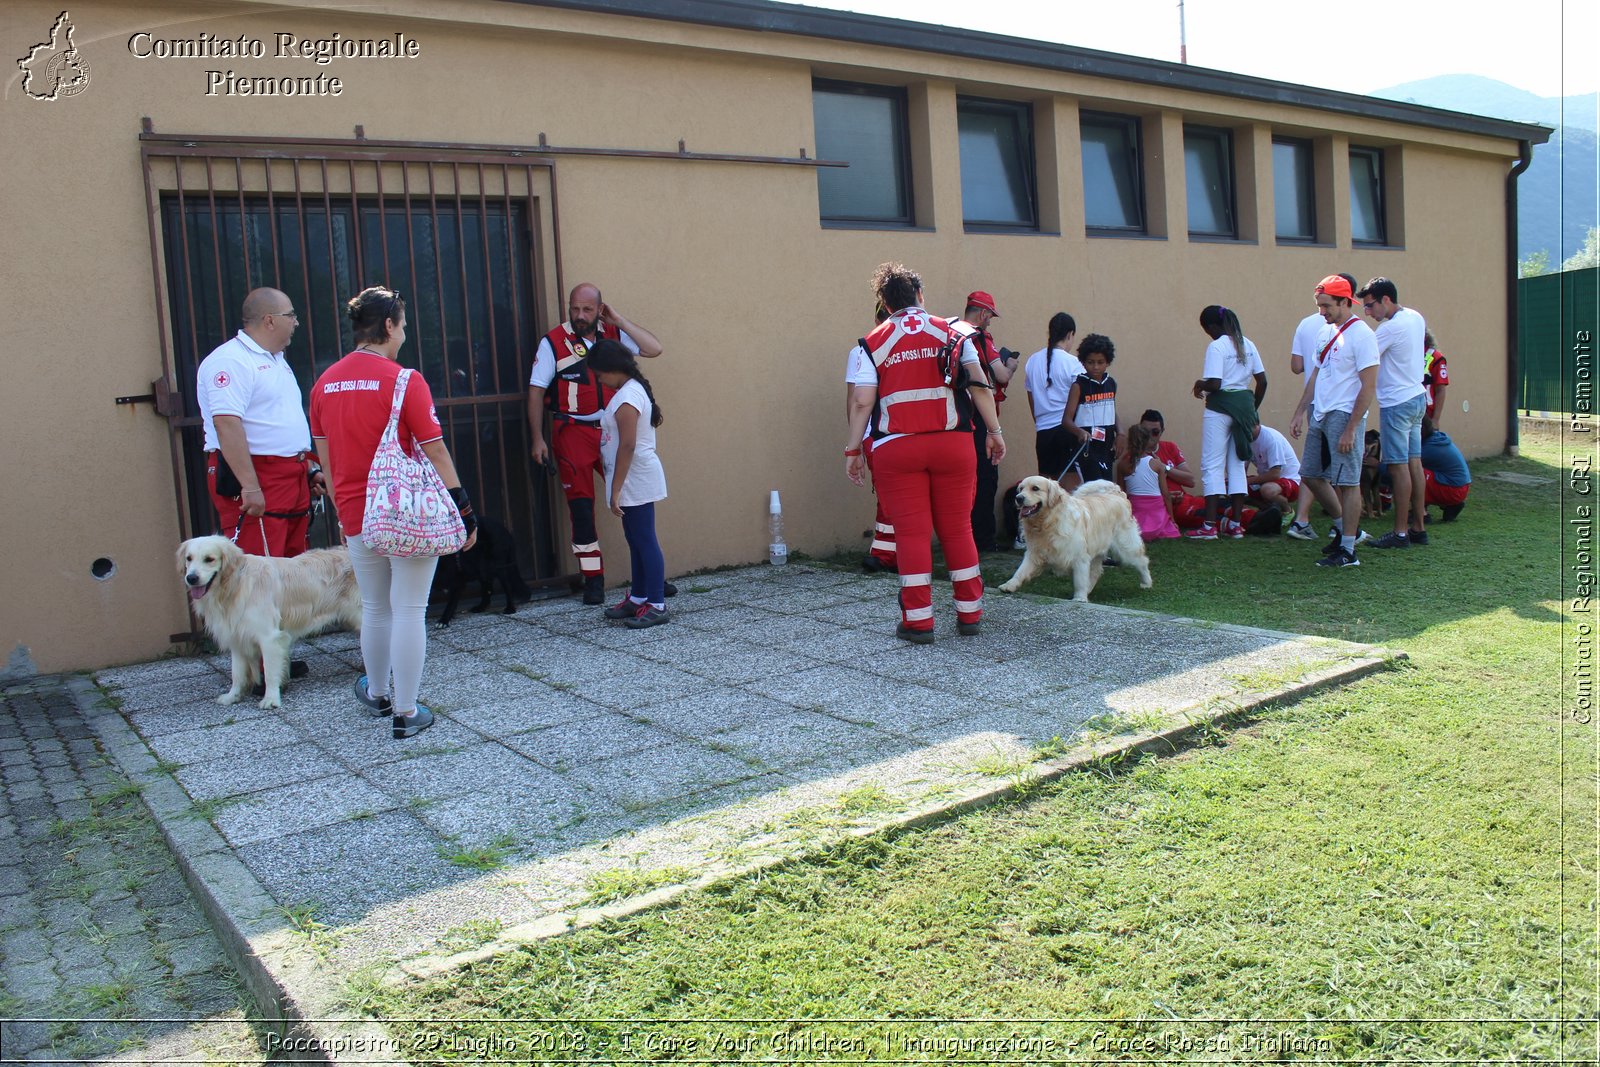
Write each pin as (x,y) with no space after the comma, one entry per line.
(1335,286)
(981,299)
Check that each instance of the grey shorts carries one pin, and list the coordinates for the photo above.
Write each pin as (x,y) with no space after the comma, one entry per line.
(1321,457)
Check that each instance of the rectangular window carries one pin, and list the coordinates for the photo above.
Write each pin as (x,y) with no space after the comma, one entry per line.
(1113,183)
(864,125)
(1208,166)
(1366,196)
(1293,190)
(997,183)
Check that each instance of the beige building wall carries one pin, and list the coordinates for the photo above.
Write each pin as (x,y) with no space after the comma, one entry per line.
(755,302)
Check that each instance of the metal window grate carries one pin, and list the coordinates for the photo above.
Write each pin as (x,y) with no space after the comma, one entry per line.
(468,238)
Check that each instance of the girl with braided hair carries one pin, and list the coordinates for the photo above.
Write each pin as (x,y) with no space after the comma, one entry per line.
(1231,364)
(634,479)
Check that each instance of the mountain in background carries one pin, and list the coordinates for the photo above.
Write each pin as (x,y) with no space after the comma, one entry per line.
(1556,196)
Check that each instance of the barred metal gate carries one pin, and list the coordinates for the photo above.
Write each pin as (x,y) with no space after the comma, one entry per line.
(468,238)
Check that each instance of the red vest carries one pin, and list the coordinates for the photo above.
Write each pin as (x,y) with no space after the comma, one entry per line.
(912,394)
(575,390)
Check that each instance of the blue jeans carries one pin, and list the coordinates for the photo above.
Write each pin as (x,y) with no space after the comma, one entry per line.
(1400,428)
(649,565)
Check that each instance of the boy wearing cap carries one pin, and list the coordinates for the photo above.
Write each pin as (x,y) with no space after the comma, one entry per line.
(998,365)
(1340,389)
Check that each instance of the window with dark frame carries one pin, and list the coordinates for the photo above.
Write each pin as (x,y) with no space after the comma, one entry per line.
(1294,190)
(1113,179)
(1366,197)
(1208,169)
(997,176)
(864,125)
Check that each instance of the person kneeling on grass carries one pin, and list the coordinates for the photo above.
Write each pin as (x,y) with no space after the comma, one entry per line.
(634,479)
(1445,471)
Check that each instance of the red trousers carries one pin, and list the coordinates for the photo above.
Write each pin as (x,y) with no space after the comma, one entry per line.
(1444,496)
(926,483)
(287,490)
(576,447)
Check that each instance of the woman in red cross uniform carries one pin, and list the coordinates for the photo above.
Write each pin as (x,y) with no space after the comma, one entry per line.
(921,388)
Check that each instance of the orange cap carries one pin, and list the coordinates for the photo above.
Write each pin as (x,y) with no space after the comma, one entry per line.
(1335,286)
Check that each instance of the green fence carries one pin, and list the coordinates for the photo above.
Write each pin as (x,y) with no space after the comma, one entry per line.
(1556,334)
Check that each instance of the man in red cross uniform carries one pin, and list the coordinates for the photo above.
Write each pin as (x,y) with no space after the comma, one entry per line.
(563,382)
(254,417)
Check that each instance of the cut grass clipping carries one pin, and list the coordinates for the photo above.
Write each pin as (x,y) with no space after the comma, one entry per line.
(1375,873)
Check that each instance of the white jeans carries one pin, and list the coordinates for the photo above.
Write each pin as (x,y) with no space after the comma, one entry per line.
(1221,470)
(394,608)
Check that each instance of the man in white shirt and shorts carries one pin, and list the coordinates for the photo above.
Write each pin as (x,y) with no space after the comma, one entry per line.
(1402,399)
(1339,390)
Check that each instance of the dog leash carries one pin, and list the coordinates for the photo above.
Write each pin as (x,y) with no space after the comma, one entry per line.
(1073,460)
(266,547)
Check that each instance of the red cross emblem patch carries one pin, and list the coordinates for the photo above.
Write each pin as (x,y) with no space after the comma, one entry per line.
(913,323)
(221,380)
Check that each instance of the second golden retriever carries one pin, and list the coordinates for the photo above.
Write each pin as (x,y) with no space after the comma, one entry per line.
(1071,533)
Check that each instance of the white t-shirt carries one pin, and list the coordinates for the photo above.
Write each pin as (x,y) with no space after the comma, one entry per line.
(646,482)
(1050,398)
(1339,374)
(1223,362)
(1401,357)
(1272,449)
(1308,340)
(241,378)
(544,360)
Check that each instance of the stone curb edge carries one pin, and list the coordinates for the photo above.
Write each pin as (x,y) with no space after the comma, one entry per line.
(1181,723)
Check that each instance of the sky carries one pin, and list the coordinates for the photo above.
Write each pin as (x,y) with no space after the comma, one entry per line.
(1547,47)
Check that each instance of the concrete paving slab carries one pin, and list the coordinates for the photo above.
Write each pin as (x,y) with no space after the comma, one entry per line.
(776,713)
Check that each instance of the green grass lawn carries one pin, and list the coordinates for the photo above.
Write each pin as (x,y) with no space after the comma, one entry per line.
(1402,869)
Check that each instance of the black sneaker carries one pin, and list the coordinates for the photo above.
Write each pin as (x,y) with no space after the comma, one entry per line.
(1392,540)
(968,629)
(1339,557)
(916,637)
(871,565)
(299,668)
(622,609)
(668,589)
(1451,512)
(645,616)
(594,590)
(1335,539)
(411,725)
(1418,537)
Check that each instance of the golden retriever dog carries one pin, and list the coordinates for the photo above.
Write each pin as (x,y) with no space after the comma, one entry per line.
(256,607)
(1071,533)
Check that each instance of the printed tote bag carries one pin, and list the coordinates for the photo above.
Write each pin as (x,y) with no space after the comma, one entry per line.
(409,511)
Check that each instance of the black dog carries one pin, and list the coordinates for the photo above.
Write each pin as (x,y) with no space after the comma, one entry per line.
(493,558)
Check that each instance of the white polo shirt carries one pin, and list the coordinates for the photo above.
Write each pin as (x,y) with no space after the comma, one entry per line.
(1402,356)
(243,379)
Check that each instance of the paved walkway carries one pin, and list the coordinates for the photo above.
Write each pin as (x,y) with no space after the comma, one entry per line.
(577,764)
(96,923)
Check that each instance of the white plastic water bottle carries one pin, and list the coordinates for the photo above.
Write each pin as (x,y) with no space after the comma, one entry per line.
(777,550)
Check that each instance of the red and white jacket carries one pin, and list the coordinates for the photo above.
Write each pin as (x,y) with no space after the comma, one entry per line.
(575,391)
(913,396)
